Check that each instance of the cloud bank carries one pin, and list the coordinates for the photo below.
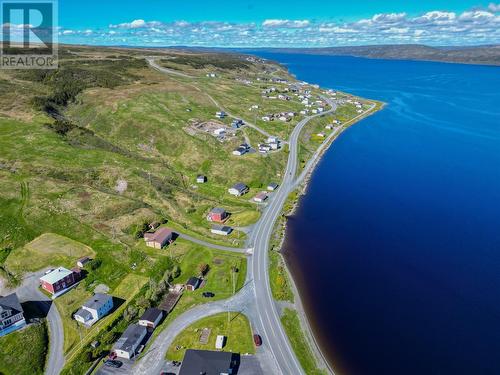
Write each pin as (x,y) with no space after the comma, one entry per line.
(475,26)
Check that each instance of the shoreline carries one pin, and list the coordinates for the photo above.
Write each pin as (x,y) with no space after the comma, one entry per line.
(300,189)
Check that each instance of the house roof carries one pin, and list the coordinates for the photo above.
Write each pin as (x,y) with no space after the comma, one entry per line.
(151,314)
(85,314)
(131,338)
(217,210)
(11,302)
(97,301)
(194,281)
(240,186)
(223,228)
(274,185)
(56,275)
(208,362)
(160,235)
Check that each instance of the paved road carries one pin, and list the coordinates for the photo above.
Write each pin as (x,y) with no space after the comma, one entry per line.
(151,61)
(213,246)
(28,291)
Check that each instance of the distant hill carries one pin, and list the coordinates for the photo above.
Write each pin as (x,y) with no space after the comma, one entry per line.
(488,55)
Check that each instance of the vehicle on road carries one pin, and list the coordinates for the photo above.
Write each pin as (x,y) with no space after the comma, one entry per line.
(112,363)
(112,355)
(208,294)
(257,340)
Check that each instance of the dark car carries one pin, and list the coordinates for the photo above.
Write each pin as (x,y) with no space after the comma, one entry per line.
(257,340)
(208,294)
(112,363)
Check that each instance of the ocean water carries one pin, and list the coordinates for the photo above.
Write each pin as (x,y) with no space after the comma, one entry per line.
(396,245)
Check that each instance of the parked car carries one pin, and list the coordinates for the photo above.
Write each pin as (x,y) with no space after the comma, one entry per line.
(112,363)
(257,340)
(208,294)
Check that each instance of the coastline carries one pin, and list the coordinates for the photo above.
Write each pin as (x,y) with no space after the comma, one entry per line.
(300,189)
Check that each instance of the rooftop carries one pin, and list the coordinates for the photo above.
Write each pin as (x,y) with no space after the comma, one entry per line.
(240,186)
(160,235)
(151,314)
(11,302)
(208,362)
(97,301)
(217,210)
(56,275)
(131,337)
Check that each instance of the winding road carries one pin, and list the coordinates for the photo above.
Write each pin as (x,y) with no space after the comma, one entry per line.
(255,299)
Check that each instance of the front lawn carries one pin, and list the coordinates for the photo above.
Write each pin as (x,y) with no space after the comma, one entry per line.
(24,352)
(234,326)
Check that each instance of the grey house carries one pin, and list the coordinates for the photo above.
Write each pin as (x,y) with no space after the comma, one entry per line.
(11,314)
(127,344)
(238,189)
(209,362)
(94,309)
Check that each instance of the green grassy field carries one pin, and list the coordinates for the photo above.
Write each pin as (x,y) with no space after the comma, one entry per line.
(46,250)
(15,359)
(291,323)
(234,326)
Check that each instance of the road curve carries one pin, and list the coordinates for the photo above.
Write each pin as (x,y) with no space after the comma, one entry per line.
(211,245)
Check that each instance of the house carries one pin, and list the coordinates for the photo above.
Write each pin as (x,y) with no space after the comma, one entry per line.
(159,238)
(220,132)
(58,280)
(321,135)
(274,145)
(268,118)
(272,186)
(209,362)
(151,317)
(154,225)
(220,341)
(211,75)
(83,261)
(223,230)
(94,309)
(201,179)
(261,197)
(239,151)
(11,314)
(329,127)
(217,214)
(238,189)
(272,139)
(237,123)
(193,283)
(220,114)
(127,344)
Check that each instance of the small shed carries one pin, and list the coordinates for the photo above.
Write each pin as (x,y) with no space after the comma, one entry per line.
(193,284)
(83,261)
(201,179)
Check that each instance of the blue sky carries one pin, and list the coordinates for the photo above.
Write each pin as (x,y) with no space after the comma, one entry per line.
(286,23)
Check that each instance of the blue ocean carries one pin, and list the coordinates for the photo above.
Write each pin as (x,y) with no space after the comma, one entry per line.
(396,245)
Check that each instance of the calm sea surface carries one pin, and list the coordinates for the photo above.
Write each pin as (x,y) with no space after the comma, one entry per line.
(396,245)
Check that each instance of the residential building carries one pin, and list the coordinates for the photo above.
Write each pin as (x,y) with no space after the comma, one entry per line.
(58,280)
(83,261)
(209,362)
(261,197)
(11,314)
(272,186)
(201,179)
(127,344)
(239,151)
(238,189)
(151,317)
(223,230)
(193,283)
(94,308)
(160,238)
(217,214)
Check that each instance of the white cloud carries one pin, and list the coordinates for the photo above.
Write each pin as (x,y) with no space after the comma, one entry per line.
(495,8)
(286,23)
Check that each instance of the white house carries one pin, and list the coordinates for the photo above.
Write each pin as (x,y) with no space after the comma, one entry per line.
(238,189)
(151,318)
(222,230)
(94,309)
(127,344)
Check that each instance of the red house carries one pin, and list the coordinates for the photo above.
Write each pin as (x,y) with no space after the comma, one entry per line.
(217,214)
(59,279)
